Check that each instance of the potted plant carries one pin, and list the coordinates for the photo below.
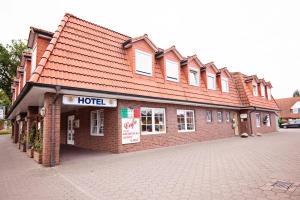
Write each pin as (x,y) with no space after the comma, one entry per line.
(31,139)
(37,155)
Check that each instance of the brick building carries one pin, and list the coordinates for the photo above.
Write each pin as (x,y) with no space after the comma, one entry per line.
(91,87)
(289,108)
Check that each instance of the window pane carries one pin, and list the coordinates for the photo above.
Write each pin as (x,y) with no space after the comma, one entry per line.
(143,62)
(211,82)
(194,77)
(172,70)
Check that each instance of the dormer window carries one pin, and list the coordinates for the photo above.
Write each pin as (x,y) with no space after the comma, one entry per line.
(194,76)
(255,91)
(143,63)
(225,85)
(211,81)
(33,59)
(269,93)
(262,90)
(172,69)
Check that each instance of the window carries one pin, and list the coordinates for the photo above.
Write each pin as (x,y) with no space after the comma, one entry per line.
(19,85)
(33,59)
(97,122)
(219,116)
(24,76)
(257,117)
(262,90)
(143,63)
(255,93)
(172,70)
(185,120)
(267,120)
(269,93)
(153,120)
(225,85)
(211,81)
(194,76)
(208,116)
(227,115)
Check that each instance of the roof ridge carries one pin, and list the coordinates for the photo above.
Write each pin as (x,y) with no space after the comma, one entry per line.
(40,67)
(71,15)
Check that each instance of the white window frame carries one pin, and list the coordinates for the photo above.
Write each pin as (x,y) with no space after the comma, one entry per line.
(19,85)
(255,90)
(262,91)
(227,116)
(198,76)
(139,70)
(220,114)
(33,58)
(211,116)
(24,74)
(100,121)
(169,70)
(226,87)
(153,121)
(185,120)
(258,119)
(210,75)
(269,93)
(269,120)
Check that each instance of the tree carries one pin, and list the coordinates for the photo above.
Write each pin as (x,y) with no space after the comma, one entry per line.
(296,93)
(10,59)
(4,99)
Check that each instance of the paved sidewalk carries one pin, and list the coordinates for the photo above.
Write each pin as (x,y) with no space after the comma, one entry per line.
(232,168)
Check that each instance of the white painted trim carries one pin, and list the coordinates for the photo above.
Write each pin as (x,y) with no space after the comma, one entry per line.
(227,80)
(185,122)
(178,70)
(141,72)
(215,84)
(198,72)
(91,132)
(153,125)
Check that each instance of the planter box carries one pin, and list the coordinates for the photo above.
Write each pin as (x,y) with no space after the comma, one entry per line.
(30,153)
(37,157)
(23,147)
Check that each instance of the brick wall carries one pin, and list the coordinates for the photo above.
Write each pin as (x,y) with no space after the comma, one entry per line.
(263,127)
(204,130)
(111,141)
(82,136)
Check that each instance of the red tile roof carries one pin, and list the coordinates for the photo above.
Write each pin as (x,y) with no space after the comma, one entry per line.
(285,105)
(85,55)
(246,94)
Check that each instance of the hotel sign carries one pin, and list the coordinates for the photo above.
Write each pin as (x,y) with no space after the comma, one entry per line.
(88,101)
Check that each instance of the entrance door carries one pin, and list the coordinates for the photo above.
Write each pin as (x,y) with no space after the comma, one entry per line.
(236,123)
(70,131)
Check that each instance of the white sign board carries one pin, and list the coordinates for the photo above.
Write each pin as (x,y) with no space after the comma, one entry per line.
(89,101)
(244,116)
(2,112)
(130,130)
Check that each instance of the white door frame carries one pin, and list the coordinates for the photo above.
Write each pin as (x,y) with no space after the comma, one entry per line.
(70,129)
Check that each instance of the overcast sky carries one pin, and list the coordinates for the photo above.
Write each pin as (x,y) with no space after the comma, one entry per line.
(255,37)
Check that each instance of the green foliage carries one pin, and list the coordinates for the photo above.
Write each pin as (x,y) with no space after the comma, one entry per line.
(5,132)
(10,59)
(296,93)
(32,135)
(38,141)
(4,100)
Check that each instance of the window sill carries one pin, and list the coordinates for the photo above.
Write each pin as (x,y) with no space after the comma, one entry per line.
(186,131)
(152,133)
(97,134)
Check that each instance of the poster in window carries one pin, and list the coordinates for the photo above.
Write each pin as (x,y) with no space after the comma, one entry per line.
(130,125)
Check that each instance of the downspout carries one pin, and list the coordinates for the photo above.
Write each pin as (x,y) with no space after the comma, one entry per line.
(52,139)
(251,129)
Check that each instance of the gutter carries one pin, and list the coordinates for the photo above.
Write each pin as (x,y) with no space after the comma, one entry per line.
(29,86)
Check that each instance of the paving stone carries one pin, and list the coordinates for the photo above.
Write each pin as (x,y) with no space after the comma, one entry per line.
(232,168)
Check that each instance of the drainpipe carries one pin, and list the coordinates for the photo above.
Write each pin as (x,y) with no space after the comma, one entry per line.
(52,139)
(251,129)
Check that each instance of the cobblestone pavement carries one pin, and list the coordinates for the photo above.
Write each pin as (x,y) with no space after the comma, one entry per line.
(232,168)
